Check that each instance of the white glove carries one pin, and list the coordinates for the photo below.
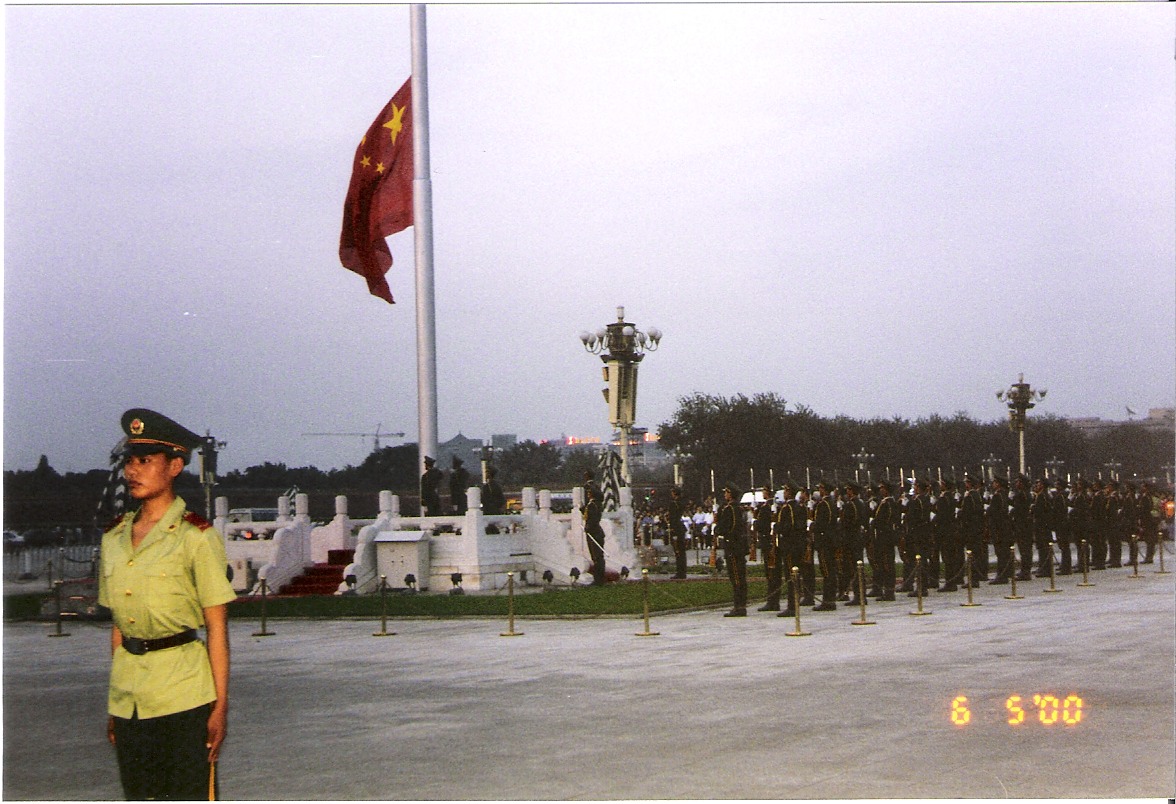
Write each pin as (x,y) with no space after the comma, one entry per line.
(932,517)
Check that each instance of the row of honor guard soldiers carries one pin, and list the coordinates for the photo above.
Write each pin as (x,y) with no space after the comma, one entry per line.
(834,525)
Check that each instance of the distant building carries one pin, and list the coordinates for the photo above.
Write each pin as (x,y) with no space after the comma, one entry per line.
(460,446)
(1158,419)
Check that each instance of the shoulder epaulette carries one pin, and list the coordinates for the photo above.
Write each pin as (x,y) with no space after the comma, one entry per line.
(114,523)
(193,518)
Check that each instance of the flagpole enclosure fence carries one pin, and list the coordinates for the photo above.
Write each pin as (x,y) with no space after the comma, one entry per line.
(471,551)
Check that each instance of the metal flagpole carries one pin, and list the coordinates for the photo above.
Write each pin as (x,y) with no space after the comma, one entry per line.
(422,217)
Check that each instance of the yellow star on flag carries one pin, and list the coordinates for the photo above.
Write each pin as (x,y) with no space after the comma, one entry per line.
(395,125)
(366,161)
(379,167)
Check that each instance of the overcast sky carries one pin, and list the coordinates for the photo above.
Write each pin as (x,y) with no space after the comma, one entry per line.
(869,209)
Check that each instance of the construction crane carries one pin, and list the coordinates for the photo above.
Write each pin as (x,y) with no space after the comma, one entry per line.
(376,436)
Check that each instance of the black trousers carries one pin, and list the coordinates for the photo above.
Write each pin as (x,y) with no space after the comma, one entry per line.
(737,573)
(791,554)
(827,552)
(772,568)
(678,538)
(596,552)
(885,542)
(164,758)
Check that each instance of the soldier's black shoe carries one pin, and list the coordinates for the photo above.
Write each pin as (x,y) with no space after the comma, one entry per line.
(769,607)
(844,596)
(1064,571)
(853,601)
(788,612)
(826,607)
(1024,577)
(913,593)
(1147,561)
(1115,565)
(807,601)
(976,584)
(736,613)
(998,581)
(949,587)
(874,593)
(887,597)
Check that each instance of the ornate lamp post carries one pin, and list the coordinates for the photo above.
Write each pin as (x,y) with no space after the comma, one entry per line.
(863,458)
(621,347)
(1020,398)
(990,463)
(1054,468)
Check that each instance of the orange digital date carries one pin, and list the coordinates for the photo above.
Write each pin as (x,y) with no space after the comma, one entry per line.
(1050,710)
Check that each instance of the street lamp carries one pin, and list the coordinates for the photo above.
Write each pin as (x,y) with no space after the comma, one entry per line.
(1020,398)
(1054,467)
(863,458)
(621,347)
(990,463)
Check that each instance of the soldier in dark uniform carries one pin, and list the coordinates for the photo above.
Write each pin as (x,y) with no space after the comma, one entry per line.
(972,528)
(947,537)
(1128,521)
(594,534)
(1079,502)
(851,520)
(1112,526)
(1059,505)
(1000,530)
(459,481)
(1041,512)
(808,568)
(729,527)
(430,483)
(1099,509)
(677,530)
(885,525)
(1146,510)
(766,540)
(792,539)
(827,541)
(919,537)
(1023,527)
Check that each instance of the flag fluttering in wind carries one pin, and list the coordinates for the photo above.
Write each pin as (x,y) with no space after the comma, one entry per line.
(379,198)
(114,495)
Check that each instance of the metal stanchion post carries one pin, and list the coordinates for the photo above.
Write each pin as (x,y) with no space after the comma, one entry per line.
(384,609)
(1160,549)
(49,573)
(510,607)
(1052,567)
(57,595)
(968,578)
(1134,558)
(919,588)
(861,579)
(264,593)
(796,604)
(1085,564)
(1012,595)
(645,593)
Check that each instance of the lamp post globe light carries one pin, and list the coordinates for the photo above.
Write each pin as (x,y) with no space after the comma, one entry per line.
(991,463)
(621,347)
(863,458)
(1020,398)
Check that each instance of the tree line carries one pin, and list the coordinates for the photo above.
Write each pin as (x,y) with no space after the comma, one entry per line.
(729,435)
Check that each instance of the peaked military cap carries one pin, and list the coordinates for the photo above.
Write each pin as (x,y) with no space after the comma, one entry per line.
(149,432)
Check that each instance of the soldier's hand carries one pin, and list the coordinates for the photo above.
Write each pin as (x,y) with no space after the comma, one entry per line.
(110,729)
(218,727)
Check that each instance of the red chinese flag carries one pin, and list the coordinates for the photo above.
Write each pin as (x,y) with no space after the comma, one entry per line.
(379,198)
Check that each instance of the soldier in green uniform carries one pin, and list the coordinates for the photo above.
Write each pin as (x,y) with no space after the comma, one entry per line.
(163,575)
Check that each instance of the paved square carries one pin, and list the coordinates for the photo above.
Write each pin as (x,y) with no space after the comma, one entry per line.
(711,708)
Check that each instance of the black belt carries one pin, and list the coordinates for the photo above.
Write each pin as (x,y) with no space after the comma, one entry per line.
(140,646)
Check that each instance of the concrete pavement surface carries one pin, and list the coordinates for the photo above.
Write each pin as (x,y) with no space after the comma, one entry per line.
(712,708)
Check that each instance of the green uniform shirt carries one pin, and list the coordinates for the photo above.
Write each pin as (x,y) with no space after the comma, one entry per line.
(157,590)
